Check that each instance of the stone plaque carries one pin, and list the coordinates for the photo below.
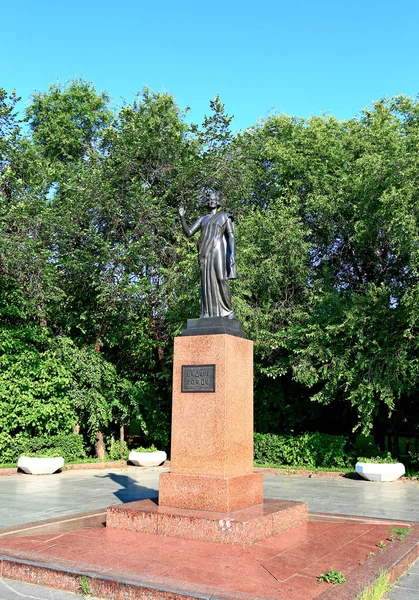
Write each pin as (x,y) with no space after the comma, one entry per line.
(198,378)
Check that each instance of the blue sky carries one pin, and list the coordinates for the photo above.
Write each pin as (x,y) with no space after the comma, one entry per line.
(301,57)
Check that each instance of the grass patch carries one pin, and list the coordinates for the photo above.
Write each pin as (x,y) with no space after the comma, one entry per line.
(272,465)
(81,461)
(93,460)
(400,532)
(377,590)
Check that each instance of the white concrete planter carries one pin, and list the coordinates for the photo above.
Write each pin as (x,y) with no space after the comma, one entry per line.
(34,465)
(147,459)
(380,471)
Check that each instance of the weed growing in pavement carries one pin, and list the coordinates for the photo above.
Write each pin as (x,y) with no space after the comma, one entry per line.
(377,589)
(401,532)
(332,576)
(84,586)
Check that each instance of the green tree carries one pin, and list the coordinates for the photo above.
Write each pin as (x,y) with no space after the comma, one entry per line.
(67,120)
(352,338)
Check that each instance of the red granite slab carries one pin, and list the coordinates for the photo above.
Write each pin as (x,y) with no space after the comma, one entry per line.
(201,492)
(241,528)
(124,564)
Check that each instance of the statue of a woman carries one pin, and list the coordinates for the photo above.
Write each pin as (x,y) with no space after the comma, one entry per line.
(216,254)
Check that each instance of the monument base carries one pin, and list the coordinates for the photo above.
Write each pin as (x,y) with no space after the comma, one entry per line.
(237,528)
(213,326)
(207,492)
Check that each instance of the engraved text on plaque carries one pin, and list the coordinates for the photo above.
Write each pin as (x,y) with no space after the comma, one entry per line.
(198,378)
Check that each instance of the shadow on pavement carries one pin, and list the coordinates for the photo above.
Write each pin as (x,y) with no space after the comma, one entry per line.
(353,475)
(130,489)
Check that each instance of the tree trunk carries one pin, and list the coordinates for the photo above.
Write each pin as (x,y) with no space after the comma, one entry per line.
(121,441)
(101,333)
(100,446)
(42,316)
(76,428)
(160,351)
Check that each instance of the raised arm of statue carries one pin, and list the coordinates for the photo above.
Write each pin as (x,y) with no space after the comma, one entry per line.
(216,255)
(189,232)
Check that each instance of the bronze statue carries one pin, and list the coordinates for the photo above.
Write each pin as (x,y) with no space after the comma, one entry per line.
(216,254)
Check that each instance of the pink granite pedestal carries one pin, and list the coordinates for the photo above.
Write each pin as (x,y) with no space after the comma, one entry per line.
(211,493)
(211,463)
(238,528)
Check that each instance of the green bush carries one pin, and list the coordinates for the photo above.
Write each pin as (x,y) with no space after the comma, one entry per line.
(305,450)
(414,460)
(365,447)
(10,447)
(151,448)
(48,453)
(382,458)
(113,451)
(70,446)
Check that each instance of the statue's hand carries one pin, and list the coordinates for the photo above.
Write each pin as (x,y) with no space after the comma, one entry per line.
(232,261)
(182,211)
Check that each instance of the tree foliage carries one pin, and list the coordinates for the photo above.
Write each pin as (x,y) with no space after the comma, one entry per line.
(96,277)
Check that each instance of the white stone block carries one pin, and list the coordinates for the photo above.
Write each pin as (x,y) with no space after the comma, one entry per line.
(147,459)
(380,471)
(34,465)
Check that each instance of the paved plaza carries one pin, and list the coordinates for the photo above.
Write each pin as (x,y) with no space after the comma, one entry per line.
(25,499)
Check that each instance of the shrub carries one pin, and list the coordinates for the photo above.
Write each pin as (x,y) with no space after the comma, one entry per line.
(305,450)
(10,447)
(383,458)
(414,460)
(151,448)
(48,453)
(113,451)
(70,446)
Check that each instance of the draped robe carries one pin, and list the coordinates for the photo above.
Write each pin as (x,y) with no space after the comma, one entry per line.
(214,263)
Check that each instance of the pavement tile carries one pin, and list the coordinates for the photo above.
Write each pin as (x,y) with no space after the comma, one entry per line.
(95,558)
(284,541)
(289,563)
(294,537)
(410,581)
(253,581)
(284,565)
(300,587)
(29,542)
(343,533)
(345,559)
(375,535)
(398,593)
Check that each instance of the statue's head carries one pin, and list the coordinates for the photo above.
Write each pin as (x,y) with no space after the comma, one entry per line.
(212,199)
